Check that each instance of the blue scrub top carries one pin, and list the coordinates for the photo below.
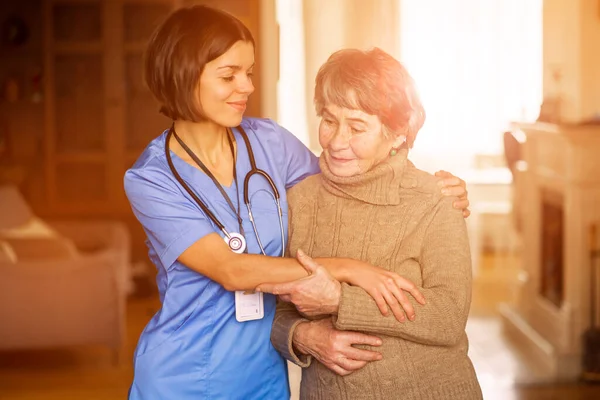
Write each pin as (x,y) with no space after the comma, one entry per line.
(193,347)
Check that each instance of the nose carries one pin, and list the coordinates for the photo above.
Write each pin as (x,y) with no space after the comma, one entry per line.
(340,140)
(246,86)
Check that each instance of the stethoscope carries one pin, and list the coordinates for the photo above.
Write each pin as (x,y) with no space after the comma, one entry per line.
(235,240)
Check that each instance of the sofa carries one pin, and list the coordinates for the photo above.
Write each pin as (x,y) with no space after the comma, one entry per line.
(63,283)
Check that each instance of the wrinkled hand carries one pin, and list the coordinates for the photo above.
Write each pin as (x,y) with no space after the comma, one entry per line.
(315,295)
(387,289)
(454,186)
(334,348)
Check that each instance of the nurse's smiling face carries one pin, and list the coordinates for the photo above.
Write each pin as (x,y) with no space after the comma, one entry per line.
(353,141)
(226,84)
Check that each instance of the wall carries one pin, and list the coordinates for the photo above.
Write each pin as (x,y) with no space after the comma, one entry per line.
(372,23)
(561,55)
(590,58)
(269,58)
(572,56)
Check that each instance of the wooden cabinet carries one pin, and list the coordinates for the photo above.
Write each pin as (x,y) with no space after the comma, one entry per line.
(99,115)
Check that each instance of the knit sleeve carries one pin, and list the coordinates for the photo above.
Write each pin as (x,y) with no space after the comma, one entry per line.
(282,334)
(446,270)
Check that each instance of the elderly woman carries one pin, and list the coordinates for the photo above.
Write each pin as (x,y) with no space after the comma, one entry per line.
(370,203)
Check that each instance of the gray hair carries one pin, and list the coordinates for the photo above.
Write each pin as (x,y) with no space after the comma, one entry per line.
(374,82)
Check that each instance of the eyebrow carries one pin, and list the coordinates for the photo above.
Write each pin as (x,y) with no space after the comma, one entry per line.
(356,119)
(234,67)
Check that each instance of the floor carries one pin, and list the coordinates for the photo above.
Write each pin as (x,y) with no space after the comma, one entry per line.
(89,374)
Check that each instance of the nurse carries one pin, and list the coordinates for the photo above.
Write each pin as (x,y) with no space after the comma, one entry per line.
(211,338)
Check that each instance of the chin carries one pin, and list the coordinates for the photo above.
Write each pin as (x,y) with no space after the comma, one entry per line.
(344,173)
(230,121)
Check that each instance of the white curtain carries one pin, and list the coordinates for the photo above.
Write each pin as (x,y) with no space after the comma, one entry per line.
(478,66)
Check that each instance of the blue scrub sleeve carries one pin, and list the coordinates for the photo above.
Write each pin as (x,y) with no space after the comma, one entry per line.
(171,220)
(297,161)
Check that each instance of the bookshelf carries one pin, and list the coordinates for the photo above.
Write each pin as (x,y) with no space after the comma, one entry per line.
(98,113)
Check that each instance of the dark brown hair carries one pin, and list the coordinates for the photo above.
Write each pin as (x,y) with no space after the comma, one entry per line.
(178,50)
(374,82)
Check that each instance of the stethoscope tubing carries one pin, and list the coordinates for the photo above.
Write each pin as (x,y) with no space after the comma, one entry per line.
(253,171)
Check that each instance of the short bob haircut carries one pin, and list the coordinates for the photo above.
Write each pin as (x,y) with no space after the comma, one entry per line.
(374,82)
(178,50)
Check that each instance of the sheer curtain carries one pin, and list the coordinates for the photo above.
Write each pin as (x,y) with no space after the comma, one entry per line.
(478,66)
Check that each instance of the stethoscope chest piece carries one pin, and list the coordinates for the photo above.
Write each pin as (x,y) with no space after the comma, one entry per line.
(236,242)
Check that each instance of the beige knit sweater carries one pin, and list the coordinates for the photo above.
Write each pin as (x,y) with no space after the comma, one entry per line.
(394,217)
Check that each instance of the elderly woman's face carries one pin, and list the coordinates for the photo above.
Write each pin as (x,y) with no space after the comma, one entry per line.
(353,141)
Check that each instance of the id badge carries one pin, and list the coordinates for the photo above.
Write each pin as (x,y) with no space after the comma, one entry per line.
(248,305)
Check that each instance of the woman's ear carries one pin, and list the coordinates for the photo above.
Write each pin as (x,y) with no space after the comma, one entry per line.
(399,141)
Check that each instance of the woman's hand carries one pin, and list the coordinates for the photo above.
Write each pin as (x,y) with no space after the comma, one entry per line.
(454,186)
(385,287)
(317,294)
(334,348)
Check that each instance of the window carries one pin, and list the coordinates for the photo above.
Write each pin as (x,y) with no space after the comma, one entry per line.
(478,66)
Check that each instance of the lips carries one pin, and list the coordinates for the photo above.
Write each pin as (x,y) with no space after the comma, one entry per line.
(238,105)
(340,160)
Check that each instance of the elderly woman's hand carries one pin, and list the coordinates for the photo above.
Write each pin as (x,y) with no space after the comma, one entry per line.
(333,348)
(385,287)
(317,294)
(454,186)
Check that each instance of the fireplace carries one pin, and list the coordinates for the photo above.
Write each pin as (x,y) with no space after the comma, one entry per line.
(559,193)
(551,257)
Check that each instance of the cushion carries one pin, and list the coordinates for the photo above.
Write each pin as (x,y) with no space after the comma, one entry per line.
(14,210)
(33,228)
(7,254)
(43,249)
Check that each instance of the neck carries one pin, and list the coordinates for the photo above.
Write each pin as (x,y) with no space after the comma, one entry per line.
(207,139)
(380,185)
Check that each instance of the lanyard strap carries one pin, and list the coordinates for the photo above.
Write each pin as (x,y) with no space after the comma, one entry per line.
(212,177)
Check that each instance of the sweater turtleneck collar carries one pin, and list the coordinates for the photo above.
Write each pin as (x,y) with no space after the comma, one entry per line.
(380,185)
